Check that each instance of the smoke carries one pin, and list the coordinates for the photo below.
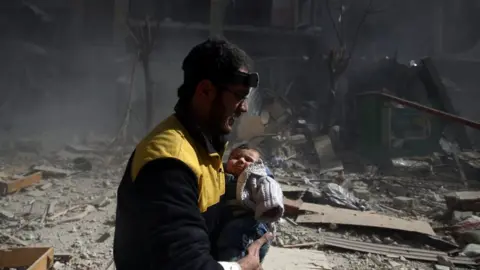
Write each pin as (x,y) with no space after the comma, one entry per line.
(62,78)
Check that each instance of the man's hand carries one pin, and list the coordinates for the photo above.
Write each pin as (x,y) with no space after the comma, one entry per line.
(252,260)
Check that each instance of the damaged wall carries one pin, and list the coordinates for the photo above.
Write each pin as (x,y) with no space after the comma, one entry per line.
(84,67)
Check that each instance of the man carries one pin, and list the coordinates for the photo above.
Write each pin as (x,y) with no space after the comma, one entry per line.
(170,199)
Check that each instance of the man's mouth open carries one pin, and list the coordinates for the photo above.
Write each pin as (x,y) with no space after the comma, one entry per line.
(231,121)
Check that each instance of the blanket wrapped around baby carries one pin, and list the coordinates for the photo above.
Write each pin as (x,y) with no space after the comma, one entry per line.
(260,193)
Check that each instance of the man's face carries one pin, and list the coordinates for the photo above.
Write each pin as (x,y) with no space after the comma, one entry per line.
(229,104)
(240,159)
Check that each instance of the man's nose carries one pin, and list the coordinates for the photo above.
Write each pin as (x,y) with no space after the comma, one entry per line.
(243,106)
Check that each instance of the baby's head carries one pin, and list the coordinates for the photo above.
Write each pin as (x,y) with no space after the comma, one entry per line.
(240,158)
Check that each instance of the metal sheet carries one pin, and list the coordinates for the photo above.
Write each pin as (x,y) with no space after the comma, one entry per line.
(409,253)
(328,214)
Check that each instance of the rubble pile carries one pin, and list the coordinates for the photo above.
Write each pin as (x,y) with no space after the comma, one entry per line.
(405,220)
(417,215)
(64,199)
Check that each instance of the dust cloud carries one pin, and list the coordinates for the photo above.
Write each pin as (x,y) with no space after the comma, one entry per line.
(63,73)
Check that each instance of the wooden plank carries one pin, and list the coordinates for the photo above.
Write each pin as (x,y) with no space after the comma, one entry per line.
(38,258)
(45,262)
(7,187)
(327,214)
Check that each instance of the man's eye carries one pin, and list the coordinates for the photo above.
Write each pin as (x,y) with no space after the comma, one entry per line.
(240,96)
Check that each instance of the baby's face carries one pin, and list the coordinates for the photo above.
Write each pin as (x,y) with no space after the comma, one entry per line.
(240,159)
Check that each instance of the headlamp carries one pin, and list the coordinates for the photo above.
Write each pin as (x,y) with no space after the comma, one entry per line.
(250,80)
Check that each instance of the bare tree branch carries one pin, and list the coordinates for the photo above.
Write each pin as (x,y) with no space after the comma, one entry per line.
(334,24)
(368,10)
(341,21)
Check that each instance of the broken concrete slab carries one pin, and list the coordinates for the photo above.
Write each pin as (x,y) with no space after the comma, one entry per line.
(403,202)
(362,194)
(52,171)
(458,216)
(45,186)
(331,215)
(393,188)
(4,214)
(287,258)
(326,153)
(463,201)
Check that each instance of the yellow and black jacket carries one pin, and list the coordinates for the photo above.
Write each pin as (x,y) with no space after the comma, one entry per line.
(170,200)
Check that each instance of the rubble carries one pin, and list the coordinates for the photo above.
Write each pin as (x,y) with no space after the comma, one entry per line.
(410,216)
(61,208)
(14,185)
(409,196)
(403,203)
(463,201)
(362,194)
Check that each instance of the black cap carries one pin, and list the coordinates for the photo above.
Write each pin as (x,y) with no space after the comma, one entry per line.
(217,60)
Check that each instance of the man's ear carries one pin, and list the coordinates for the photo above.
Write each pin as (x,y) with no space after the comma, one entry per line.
(206,90)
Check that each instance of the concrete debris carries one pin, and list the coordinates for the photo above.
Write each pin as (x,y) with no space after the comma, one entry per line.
(441,267)
(103,237)
(52,171)
(324,214)
(394,264)
(46,186)
(403,203)
(101,202)
(394,189)
(279,258)
(397,252)
(445,261)
(59,266)
(362,194)
(68,202)
(463,201)
(458,216)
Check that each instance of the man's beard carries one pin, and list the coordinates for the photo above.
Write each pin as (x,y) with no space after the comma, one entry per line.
(216,119)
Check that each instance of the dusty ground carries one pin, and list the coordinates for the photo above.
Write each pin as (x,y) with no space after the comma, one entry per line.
(75,215)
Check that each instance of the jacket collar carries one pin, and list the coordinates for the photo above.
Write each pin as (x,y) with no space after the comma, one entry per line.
(214,145)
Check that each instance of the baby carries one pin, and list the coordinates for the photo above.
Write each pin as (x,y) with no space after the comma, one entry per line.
(240,158)
(242,228)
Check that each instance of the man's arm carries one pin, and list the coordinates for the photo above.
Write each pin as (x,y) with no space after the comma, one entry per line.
(177,234)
